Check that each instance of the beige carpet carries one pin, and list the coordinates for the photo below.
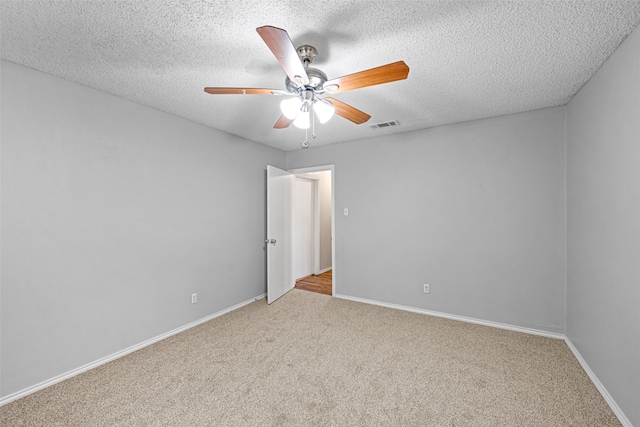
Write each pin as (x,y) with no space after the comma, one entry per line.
(310,360)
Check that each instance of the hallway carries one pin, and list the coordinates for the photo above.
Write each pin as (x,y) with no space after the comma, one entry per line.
(321,284)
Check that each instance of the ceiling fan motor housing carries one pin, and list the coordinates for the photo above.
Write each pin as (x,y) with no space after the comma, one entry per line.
(316,80)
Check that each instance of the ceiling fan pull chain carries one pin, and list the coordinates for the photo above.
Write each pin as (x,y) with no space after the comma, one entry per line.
(313,122)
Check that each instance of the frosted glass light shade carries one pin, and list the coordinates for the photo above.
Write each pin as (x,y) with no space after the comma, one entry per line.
(324,110)
(302,121)
(290,107)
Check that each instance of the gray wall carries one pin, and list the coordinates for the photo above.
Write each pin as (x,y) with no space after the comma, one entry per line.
(603,232)
(474,209)
(112,215)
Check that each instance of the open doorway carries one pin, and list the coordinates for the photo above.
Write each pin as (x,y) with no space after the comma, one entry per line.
(313,230)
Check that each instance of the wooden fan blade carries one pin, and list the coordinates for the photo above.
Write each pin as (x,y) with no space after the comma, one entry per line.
(374,76)
(279,42)
(283,123)
(243,91)
(349,112)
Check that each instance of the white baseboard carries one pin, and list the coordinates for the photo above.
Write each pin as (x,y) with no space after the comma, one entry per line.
(29,390)
(456,317)
(324,270)
(603,391)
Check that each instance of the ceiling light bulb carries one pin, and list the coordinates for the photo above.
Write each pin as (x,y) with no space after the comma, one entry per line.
(302,121)
(324,110)
(290,107)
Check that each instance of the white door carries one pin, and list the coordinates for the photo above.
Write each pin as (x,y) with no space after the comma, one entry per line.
(279,212)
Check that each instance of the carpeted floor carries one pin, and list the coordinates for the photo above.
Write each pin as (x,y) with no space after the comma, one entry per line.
(310,359)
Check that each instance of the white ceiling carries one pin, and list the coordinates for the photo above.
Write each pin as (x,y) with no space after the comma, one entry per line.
(468,59)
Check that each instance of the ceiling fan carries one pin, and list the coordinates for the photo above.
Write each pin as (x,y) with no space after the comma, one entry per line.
(304,84)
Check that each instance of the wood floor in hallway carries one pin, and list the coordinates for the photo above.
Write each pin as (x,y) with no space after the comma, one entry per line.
(320,284)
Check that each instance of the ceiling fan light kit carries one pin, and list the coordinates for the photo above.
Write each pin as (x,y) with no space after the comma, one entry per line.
(297,106)
(304,84)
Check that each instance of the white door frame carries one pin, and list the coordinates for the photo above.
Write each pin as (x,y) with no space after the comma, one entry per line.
(333,216)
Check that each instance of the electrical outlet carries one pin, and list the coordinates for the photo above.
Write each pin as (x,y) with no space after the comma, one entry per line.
(194,298)
(426,289)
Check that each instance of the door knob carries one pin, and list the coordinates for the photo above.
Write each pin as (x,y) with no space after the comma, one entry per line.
(272,241)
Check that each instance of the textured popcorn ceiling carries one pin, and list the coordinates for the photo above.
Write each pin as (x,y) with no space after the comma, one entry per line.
(468,59)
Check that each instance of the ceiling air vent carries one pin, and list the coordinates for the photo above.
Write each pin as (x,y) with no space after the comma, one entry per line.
(385,124)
